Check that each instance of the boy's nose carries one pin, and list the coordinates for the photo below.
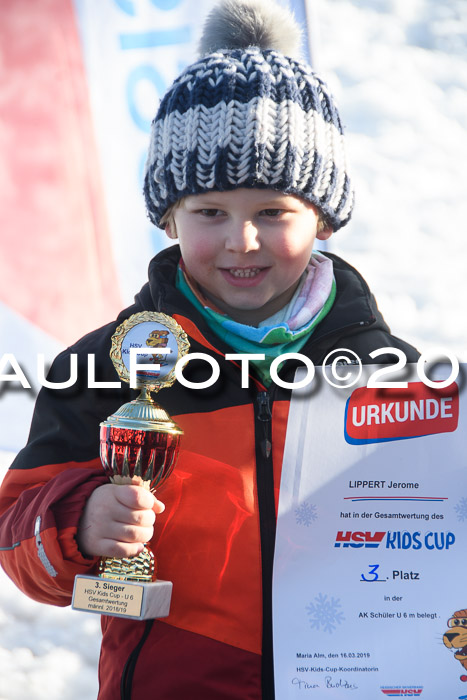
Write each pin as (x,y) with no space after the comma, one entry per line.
(243,237)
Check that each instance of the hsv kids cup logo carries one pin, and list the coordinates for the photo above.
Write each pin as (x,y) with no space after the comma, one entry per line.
(380,415)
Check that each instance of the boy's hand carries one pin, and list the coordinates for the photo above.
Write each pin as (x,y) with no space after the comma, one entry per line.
(117,521)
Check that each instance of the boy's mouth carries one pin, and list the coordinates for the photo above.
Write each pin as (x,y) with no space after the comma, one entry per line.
(244,271)
(244,276)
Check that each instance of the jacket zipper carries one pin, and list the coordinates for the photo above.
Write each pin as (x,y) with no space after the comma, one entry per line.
(128,672)
(267,523)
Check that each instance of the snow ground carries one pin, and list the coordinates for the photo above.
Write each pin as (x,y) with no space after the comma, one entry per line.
(399,71)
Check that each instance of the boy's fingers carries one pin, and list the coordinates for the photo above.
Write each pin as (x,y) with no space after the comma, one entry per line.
(128,516)
(158,506)
(110,548)
(117,519)
(134,497)
(129,534)
(139,498)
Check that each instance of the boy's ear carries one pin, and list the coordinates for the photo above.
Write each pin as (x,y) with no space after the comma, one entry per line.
(324,234)
(170,232)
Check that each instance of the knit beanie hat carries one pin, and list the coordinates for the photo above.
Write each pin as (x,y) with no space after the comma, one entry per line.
(247,115)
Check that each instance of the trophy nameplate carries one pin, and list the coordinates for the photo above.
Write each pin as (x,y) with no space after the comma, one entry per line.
(139,444)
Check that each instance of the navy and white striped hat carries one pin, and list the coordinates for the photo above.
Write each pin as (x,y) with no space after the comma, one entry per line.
(248,116)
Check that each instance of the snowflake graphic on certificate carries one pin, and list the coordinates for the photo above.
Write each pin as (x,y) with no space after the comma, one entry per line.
(306,514)
(324,613)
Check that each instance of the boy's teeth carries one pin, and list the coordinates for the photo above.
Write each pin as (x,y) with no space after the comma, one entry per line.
(248,272)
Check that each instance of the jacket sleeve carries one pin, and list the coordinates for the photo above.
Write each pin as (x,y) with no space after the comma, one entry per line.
(45,490)
(40,510)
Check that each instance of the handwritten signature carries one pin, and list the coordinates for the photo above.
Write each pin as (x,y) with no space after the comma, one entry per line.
(329,683)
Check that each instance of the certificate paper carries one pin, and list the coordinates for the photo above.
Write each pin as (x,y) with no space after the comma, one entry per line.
(370,570)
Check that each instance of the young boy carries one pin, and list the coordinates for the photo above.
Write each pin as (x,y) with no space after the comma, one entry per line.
(246,169)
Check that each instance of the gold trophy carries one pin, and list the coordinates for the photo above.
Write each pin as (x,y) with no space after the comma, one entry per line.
(139,444)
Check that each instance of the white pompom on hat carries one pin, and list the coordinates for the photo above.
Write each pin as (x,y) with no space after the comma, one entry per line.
(261,23)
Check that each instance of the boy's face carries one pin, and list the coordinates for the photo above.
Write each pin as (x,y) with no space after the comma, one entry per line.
(247,248)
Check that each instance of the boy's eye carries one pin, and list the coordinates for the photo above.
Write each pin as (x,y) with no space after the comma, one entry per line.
(273,212)
(210,212)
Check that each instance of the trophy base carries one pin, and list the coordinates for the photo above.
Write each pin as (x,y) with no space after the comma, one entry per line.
(135,600)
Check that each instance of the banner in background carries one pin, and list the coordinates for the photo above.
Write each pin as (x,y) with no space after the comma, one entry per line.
(81,83)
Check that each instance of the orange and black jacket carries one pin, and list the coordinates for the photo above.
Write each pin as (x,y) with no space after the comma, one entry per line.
(215,540)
